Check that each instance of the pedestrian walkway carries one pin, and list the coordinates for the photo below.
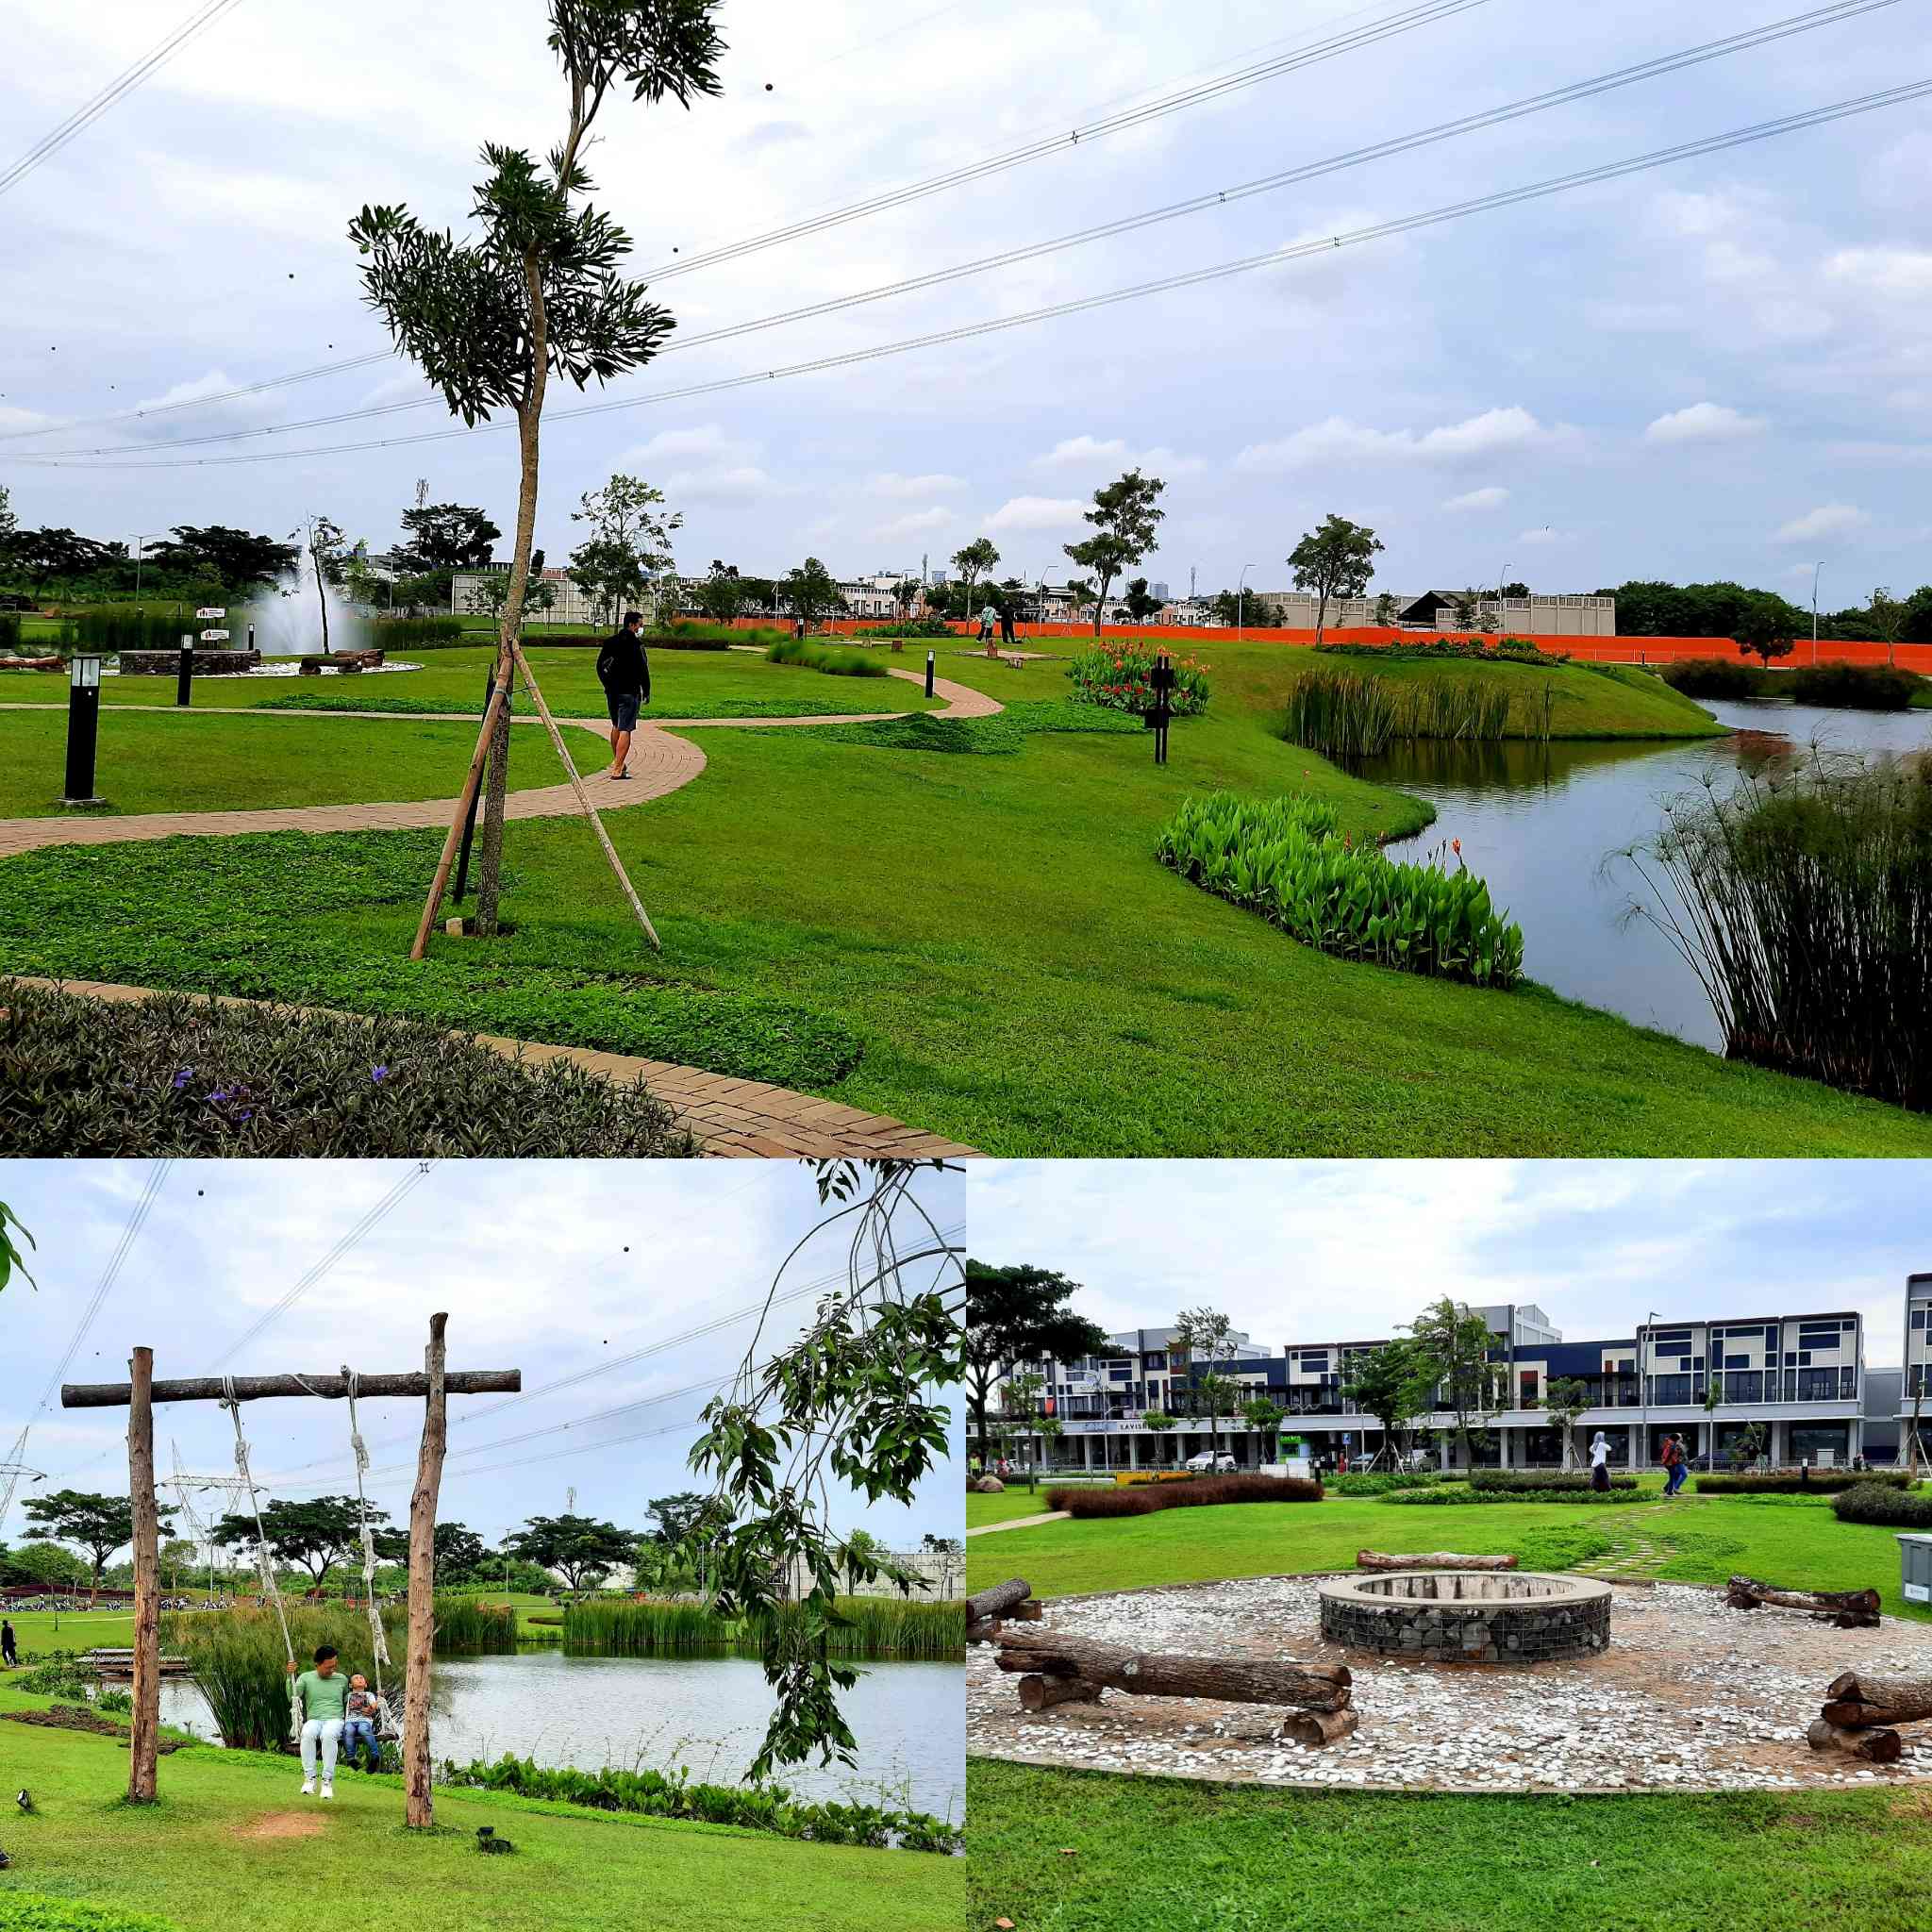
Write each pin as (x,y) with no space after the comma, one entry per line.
(1021,1522)
(1640,1546)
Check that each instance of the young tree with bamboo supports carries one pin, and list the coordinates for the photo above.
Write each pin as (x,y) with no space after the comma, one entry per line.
(489,321)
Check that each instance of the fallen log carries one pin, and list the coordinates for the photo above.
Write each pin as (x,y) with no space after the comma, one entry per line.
(1315,1686)
(1433,1560)
(1878,1746)
(998,1600)
(1315,1728)
(984,1632)
(1857,1698)
(1031,1611)
(1042,1693)
(1851,1609)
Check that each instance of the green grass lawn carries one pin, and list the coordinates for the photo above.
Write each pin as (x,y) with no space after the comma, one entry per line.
(219,1849)
(985,941)
(684,684)
(1799,1542)
(40,1631)
(1017,1501)
(1085,1852)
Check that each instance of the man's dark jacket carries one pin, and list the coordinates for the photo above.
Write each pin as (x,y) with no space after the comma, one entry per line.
(623,665)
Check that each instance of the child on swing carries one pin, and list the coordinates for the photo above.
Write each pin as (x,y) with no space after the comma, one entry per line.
(364,1713)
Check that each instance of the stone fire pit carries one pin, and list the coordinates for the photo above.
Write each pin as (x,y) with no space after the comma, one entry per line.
(1469,1616)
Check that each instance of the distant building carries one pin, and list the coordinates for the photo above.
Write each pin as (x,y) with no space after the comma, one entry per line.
(571,603)
(1435,610)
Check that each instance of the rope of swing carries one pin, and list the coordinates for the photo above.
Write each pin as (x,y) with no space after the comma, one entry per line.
(379,1640)
(232,1403)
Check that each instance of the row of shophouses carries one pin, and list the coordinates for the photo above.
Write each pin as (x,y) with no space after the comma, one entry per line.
(1799,1383)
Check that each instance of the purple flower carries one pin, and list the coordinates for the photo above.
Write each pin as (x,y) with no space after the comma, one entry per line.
(182,1078)
(221,1095)
(377,1075)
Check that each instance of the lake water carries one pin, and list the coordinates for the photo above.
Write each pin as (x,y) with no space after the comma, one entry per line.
(1538,822)
(707,1713)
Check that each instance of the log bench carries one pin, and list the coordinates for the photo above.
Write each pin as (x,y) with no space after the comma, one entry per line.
(1433,1560)
(989,1608)
(1055,1668)
(1847,1609)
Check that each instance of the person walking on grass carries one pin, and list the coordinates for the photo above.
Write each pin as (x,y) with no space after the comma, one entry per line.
(322,1697)
(988,618)
(1675,1466)
(624,670)
(1600,1461)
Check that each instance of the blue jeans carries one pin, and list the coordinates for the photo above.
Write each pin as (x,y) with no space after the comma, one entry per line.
(356,1732)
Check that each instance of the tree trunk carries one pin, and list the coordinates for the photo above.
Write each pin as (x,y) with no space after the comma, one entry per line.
(529,421)
(1320,616)
(1318,1728)
(1860,1697)
(321,600)
(1878,1747)
(420,1809)
(1042,1693)
(1853,1609)
(1433,1560)
(1001,1596)
(1317,1687)
(146,1724)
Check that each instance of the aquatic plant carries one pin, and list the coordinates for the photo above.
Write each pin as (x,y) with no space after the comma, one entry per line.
(868,1626)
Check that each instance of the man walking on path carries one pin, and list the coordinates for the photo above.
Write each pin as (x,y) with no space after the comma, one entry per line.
(322,1695)
(625,671)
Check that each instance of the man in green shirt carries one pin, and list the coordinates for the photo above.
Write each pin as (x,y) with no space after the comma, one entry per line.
(322,1695)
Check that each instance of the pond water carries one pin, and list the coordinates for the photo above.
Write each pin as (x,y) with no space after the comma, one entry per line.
(707,1713)
(1538,822)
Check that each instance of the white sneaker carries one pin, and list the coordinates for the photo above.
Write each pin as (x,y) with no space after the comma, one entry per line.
(309,1787)
(328,1790)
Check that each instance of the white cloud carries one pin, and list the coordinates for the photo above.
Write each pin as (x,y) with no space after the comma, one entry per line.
(1546,535)
(1087,452)
(1338,439)
(1037,513)
(1494,498)
(701,439)
(890,483)
(914,522)
(1884,271)
(720,483)
(1703,423)
(1827,520)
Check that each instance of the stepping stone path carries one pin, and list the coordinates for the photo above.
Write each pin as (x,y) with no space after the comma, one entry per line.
(1640,1547)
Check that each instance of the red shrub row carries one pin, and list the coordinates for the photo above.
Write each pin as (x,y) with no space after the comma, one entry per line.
(1145,1499)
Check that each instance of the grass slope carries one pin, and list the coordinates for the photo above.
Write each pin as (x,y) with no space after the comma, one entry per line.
(1800,1544)
(1083,1852)
(992,936)
(217,1852)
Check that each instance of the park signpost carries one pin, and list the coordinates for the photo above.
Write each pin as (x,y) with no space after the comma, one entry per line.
(83,728)
(1161,713)
(184,686)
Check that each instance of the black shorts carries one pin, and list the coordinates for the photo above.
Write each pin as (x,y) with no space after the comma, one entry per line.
(622,706)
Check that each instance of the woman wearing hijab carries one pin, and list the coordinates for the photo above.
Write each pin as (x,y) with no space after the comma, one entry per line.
(1600,1461)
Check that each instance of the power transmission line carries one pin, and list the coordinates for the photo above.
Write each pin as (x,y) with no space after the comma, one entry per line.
(1609,170)
(1400,23)
(1491,117)
(90,111)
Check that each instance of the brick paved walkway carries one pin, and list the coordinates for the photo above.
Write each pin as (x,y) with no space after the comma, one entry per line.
(729,1117)
(659,763)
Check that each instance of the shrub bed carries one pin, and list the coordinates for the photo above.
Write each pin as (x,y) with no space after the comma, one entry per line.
(1539,1481)
(1511,650)
(1712,677)
(417,633)
(1199,1493)
(1462,1493)
(752,1807)
(830,658)
(1380,1482)
(1879,1503)
(172,1075)
(1281,858)
(1121,677)
(1827,1482)
(1856,687)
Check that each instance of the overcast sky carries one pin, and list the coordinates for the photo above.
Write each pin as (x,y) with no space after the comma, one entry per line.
(1343,1251)
(552,1267)
(1717,368)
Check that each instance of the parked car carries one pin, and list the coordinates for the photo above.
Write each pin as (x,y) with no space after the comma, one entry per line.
(1207,1463)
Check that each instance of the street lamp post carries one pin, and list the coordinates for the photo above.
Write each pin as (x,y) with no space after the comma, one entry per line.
(1240,597)
(1644,1381)
(140,555)
(1815,568)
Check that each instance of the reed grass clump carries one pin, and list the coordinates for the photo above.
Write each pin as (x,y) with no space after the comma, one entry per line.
(1802,901)
(833,660)
(1282,858)
(1343,715)
(870,1627)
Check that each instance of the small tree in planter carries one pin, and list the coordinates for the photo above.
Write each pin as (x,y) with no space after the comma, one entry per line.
(1264,1415)
(1566,1399)
(1158,1422)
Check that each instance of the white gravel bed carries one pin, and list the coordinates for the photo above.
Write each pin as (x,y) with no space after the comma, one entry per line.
(1690,1696)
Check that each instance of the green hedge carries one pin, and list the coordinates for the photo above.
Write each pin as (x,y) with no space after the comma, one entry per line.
(1540,1481)
(834,662)
(416,633)
(1380,1482)
(1458,1492)
(1858,687)
(1881,1504)
(1712,677)
(1823,1482)
(1281,858)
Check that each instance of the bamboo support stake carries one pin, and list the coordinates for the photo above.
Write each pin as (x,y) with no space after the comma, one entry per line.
(145,1728)
(497,698)
(420,1804)
(636,904)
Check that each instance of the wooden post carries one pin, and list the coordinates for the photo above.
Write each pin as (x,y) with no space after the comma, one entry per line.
(463,813)
(420,1811)
(142,1755)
